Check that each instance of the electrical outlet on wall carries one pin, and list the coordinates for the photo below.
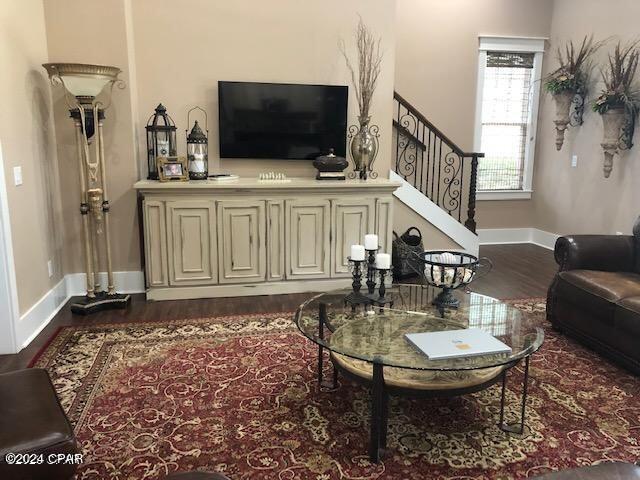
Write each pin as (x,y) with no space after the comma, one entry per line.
(574,160)
(50,268)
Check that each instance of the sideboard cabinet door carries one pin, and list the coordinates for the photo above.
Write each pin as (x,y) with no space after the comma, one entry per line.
(155,243)
(242,241)
(192,242)
(307,239)
(351,221)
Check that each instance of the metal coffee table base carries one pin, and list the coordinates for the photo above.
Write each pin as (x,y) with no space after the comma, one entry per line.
(380,399)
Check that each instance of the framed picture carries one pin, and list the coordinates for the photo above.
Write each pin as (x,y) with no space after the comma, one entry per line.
(172,169)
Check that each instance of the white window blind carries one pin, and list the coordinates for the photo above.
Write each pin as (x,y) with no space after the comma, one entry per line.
(506,112)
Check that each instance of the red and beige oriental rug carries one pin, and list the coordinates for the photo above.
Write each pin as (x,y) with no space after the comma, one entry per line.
(238,395)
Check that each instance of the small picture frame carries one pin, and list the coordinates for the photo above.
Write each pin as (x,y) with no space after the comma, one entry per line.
(172,169)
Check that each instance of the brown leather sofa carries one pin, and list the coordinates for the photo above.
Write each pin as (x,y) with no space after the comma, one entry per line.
(604,471)
(33,422)
(595,297)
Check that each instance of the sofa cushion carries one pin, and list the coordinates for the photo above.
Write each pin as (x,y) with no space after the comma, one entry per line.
(32,421)
(196,476)
(628,316)
(603,471)
(609,286)
(32,418)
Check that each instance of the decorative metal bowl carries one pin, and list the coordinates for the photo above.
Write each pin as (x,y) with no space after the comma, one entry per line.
(450,270)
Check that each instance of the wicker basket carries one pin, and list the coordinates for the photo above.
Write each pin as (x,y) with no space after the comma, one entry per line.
(405,252)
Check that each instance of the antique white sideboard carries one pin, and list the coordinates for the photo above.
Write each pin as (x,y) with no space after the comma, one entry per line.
(250,237)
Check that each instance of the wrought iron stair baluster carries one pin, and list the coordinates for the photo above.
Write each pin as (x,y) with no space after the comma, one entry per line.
(427,159)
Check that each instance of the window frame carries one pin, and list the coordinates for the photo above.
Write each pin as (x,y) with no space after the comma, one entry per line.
(535,45)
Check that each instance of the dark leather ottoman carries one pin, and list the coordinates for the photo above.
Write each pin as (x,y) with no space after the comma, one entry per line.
(604,471)
(196,476)
(33,422)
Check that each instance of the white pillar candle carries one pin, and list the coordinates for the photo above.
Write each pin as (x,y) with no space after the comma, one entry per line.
(383,261)
(371,241)
(357,252)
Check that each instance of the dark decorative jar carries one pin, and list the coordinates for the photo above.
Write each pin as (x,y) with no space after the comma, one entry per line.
(330,167)
(161,139)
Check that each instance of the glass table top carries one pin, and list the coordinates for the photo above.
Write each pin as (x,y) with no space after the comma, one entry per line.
(375,334)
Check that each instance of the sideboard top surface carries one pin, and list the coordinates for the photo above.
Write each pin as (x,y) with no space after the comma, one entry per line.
(254,184)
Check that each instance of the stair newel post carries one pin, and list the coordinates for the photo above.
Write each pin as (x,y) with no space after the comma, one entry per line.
(470,223)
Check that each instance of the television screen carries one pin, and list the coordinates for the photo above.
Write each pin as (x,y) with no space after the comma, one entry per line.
(281,121)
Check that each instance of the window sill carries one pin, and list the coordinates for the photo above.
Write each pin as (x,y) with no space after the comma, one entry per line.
(504,195)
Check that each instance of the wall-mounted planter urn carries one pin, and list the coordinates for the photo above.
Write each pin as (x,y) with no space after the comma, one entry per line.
(612,120)
(563,110)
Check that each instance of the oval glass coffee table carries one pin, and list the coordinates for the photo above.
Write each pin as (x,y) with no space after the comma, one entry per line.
(368,344)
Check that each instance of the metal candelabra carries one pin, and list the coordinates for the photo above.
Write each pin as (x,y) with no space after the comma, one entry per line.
(356,298)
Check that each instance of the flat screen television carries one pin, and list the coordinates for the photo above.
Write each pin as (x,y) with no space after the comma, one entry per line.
(281,121)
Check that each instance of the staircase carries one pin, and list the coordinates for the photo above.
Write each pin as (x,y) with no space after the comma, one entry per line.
(438,178)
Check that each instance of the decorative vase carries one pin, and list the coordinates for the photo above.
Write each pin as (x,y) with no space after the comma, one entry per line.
(563,110)
(364,147)
(330,167)
(612,121)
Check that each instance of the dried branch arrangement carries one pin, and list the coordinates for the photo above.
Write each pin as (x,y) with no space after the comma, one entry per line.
(619,77)
(368,67)
(575,67)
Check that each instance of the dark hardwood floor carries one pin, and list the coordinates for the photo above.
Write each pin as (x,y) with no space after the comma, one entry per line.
(519,271)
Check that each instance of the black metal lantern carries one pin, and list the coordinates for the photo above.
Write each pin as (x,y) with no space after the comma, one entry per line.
(161,139)
(198,148)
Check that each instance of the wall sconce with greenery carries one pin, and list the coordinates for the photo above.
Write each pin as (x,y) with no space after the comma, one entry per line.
(568,84)
(619,101)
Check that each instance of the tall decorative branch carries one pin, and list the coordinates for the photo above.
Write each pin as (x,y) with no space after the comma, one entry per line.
(568,83)
(574,66)
(619,78)
(365,75)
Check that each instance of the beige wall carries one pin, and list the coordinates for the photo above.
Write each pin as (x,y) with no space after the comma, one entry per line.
(27,136)
(436,69)
(172,56)
(276,41)
(581,200)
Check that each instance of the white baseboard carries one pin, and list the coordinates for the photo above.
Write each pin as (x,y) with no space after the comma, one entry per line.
(33,321)
(498,236)
(40,314)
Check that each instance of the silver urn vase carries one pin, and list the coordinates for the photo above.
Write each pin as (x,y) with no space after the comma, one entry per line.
(364,148)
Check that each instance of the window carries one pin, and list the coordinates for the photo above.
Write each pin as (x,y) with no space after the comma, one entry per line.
(506,110)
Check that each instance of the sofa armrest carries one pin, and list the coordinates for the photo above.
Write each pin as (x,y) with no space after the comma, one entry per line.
(610,253)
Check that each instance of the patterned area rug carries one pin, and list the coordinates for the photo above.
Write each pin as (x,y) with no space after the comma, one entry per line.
(238,395)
